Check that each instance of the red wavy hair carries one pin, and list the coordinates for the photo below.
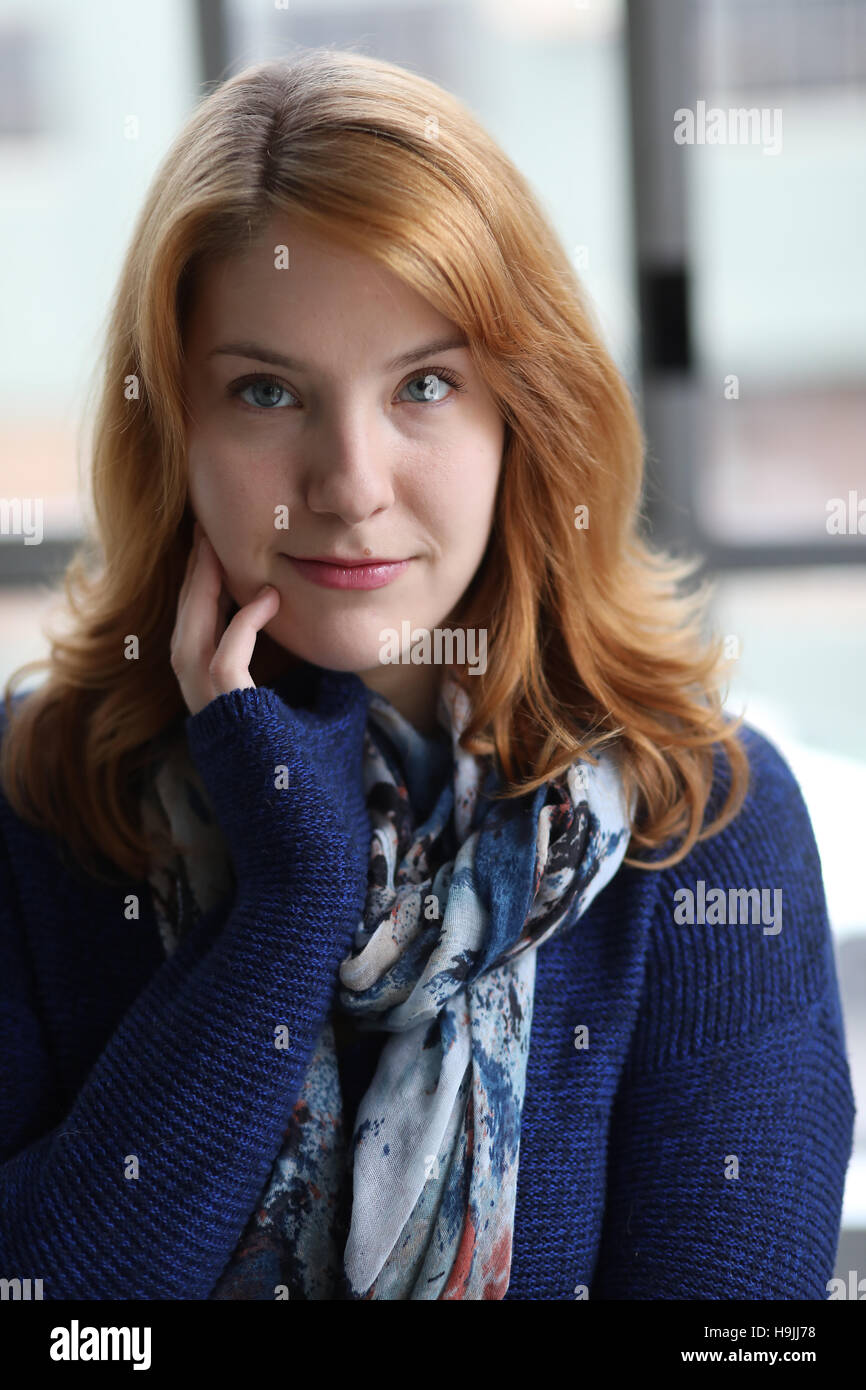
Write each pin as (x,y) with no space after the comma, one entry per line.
(592,639)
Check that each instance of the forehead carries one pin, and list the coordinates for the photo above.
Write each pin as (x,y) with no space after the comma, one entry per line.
(298,288)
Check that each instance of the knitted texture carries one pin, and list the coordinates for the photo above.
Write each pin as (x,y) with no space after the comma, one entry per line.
(693,1145)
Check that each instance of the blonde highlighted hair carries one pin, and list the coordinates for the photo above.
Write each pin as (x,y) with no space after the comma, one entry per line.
(592,639)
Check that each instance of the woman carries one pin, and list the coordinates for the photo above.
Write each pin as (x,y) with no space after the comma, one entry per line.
(374,691)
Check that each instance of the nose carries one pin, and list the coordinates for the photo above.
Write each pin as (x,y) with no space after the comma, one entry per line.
(348,472)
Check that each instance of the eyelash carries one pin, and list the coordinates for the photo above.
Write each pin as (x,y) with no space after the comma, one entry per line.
(447,374)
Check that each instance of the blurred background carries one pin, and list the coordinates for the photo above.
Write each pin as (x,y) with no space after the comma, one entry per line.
(728,277)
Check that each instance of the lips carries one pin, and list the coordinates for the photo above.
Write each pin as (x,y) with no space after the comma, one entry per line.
(349,574)
(343,563)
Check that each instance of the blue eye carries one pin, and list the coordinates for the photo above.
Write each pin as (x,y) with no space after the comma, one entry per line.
(429,388)
(250,383)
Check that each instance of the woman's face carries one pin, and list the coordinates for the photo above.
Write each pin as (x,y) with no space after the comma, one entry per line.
(342,451)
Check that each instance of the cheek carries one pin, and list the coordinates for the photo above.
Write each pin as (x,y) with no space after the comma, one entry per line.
(472,499)
(454,484)
(226,485)
(207,471)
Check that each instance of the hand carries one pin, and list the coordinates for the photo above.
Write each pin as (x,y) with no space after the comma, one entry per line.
(313,827)
(208,658)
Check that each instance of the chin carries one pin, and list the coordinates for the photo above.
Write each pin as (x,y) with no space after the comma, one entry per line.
(334,655)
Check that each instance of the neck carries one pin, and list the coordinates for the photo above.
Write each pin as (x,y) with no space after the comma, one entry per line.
(412,690)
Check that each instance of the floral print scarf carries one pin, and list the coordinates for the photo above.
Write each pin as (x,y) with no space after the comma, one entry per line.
(443,963)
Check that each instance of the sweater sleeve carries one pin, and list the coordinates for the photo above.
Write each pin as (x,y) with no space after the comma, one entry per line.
(733,1124)
(144,1188)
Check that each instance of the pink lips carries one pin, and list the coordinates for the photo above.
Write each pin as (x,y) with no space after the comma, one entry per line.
(374,575)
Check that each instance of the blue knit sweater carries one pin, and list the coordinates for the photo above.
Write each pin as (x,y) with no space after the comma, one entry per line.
(696,1148)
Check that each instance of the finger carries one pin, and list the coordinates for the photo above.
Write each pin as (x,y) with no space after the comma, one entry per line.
(229,669)
(224,604)
(180,635)
(191,560)
(178,630)
(198,620)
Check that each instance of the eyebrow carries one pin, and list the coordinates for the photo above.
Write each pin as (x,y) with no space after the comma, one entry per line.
(257,353)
